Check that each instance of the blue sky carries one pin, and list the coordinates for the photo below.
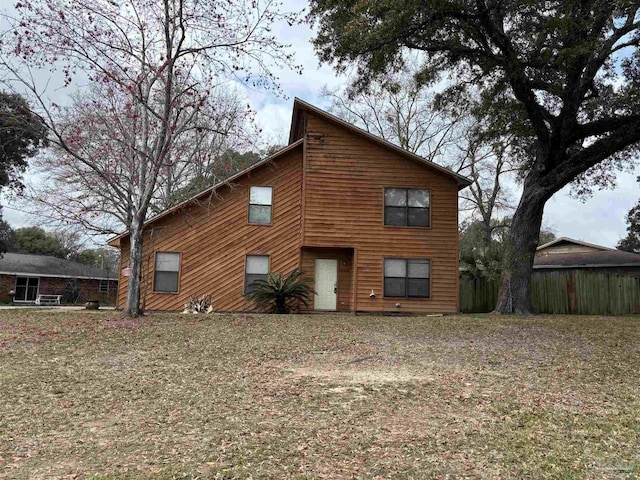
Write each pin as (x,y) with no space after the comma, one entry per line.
(600,219)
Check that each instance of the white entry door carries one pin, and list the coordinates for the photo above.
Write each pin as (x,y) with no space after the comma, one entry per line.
(326,286)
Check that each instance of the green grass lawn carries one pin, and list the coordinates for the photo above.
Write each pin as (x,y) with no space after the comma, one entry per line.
(88,395)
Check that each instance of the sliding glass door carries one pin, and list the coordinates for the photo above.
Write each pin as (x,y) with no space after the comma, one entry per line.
(26,289)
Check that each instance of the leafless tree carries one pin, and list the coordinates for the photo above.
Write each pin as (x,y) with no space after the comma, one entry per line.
(155,66)
(490,167)
(398,111)
(401,112)
(73,194)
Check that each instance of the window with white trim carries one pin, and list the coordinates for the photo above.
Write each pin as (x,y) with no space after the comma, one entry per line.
(27,289)
(408,278)
(257,268)
(260,204)
(407,207)
(167,270)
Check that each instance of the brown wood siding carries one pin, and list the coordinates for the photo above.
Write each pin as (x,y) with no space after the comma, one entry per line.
(214,238)
(337,178)
(345,273)
(345,177)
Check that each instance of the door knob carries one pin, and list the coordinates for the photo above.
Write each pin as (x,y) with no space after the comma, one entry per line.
(335,289)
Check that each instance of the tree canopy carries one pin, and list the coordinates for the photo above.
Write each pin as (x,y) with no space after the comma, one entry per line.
(562,78)
(7,237)
(631,243)
(61,244)
(563,75)
(22,134)
(154,71)
(106,258)
(38,241)
(484,258)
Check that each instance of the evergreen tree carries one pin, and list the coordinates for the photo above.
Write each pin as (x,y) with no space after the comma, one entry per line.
(631,243)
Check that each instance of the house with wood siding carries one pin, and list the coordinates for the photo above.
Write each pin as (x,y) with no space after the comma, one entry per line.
(374,226)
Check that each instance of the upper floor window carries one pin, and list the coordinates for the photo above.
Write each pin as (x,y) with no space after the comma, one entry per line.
(406,207)
(260,204)
(407,277)
(167,269)
(257,268)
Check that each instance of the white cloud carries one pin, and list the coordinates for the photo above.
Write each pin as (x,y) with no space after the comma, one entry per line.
(599,220)
(275,121)
(306,86)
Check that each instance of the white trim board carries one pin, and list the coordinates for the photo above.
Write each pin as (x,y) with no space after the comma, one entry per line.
(46,275)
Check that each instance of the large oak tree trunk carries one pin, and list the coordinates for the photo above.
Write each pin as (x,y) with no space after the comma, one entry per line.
(514,296)
(135,264)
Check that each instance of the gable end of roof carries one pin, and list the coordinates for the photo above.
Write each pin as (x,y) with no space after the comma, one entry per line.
(296,132)
(575,242)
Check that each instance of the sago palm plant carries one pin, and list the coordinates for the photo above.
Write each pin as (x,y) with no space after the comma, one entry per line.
(279,293)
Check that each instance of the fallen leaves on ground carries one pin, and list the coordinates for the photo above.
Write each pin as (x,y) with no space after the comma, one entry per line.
(91,395)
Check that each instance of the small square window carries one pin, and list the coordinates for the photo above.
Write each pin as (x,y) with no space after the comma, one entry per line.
(418,198)
(396,216)
(395,267)
(395,197)
(407,207)
(260,205)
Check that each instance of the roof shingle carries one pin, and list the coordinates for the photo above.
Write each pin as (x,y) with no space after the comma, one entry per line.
(45,266)
(606,258)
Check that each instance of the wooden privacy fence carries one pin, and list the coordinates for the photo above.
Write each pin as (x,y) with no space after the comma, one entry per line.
(575,292)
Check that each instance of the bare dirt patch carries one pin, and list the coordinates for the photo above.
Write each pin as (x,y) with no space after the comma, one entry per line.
(358,375)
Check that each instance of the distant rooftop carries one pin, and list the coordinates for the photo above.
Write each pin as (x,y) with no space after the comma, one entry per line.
(45,266)
(579,254)
(567,240)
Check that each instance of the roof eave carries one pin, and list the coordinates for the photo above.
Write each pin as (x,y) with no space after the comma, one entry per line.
(574,241)
(587,265)
(57,275)
(298,104)
(293,129)
(115,241)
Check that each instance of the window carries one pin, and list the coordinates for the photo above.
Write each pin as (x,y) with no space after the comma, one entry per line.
(260,200)
(257,269)
(104,286)
(165,278)
(406,278)
(406,207)
(26,289)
